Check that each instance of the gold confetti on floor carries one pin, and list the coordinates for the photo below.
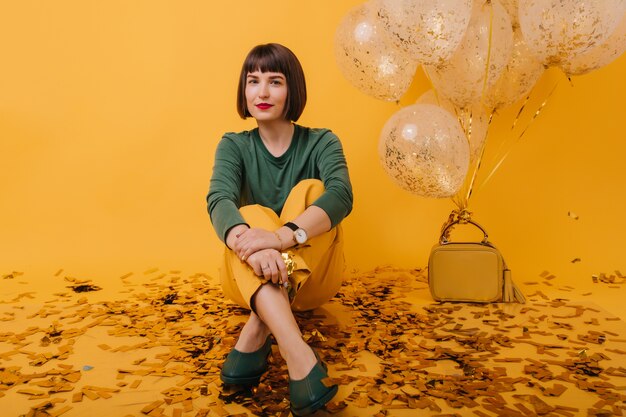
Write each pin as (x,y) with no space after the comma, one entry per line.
(155,348)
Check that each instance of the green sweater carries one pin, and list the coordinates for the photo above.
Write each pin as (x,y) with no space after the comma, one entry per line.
(246,173)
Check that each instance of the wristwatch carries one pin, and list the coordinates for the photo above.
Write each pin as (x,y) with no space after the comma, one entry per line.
(299,234)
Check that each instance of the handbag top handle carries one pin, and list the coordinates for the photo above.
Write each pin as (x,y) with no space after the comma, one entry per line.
(443,240)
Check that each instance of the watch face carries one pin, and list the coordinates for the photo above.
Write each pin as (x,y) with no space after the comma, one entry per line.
(300,235)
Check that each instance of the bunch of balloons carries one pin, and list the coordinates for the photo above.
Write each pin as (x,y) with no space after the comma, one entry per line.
(480,56)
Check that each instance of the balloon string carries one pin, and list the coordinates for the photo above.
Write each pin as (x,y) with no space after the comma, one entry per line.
(460,202)
(538,110)
(503,157)
(505,144)
(467,130)
(489,45)
(478,164)
(466,125)
(461,199)
(521,109)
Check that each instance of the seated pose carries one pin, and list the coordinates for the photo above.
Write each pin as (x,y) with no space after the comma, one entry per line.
(277,196)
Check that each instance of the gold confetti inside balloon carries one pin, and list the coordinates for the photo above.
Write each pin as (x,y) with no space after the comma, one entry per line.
(474,120)
(424,150)
(428,30)
(518,78)
(512,8)
(600,55)
(556,31)
(480,59)
(367,58)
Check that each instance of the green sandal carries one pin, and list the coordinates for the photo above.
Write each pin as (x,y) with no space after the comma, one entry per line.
(309,394)
(242,368)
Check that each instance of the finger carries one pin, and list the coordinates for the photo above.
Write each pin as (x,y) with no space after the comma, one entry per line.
(245,252)
(267,271)
(239,247)
(275,273)
(282,272)
(270,271)
(249,250)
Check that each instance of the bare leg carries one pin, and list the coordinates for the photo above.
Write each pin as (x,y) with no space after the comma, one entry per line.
(253,335)
(272,305)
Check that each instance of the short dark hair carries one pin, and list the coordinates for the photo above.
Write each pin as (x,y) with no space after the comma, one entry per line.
(273,57)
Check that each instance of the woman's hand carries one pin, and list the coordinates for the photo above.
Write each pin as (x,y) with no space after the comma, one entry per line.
(268,263)
(250,241)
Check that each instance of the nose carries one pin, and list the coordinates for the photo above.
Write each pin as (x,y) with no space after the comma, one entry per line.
(264,90)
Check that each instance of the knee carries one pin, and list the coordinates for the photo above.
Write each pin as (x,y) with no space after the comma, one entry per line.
(257,215)
(250,210)
(312,188)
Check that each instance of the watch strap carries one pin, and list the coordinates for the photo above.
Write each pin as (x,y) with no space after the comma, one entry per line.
(292,226)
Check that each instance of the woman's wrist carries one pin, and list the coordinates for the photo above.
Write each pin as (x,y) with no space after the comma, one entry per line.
(285,235)
(280,241)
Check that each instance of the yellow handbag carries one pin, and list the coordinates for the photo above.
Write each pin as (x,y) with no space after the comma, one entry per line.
(472,272)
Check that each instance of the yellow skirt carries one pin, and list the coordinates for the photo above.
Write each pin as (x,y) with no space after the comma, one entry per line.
(319,263)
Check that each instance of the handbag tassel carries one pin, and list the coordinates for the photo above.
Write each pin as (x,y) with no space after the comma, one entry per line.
(511,292)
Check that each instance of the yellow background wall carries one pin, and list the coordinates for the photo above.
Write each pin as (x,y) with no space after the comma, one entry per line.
(110,113)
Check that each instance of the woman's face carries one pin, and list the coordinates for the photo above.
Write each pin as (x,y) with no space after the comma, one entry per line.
(266,95)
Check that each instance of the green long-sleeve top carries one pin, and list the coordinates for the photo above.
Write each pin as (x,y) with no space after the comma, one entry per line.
(245,172)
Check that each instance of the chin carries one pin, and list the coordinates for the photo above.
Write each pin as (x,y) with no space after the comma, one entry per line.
(266,117)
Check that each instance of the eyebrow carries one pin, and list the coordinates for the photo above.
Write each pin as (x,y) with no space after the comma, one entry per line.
(280,76)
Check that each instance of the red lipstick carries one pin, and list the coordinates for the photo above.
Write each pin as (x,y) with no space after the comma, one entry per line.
(264,106)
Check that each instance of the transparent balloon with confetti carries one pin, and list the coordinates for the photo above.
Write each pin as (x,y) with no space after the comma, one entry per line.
(367,58)
(474,120)
(518,77)
(600,55)
(428,30)
(424,150)
(557,31)
(479,60)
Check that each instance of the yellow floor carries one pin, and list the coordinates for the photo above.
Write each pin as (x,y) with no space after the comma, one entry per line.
(151,343)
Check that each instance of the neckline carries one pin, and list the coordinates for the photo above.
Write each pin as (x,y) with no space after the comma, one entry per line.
(267,153)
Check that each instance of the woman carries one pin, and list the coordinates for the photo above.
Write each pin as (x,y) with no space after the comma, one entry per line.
(277,196)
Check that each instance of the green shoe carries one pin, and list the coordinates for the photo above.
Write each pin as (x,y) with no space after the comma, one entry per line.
(309,394)
(242,368)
